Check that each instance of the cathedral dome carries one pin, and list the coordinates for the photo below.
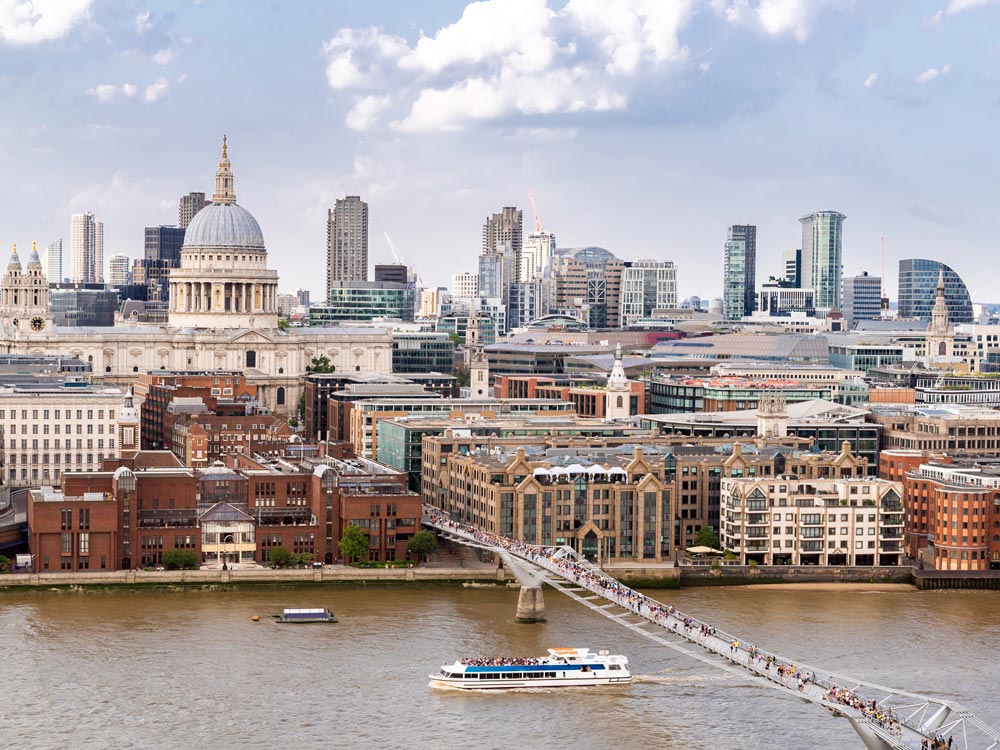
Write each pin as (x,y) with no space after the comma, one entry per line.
(224,225)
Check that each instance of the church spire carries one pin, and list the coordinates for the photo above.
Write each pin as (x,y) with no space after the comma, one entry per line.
(224,192)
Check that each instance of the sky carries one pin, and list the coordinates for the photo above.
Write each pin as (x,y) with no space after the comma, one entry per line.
(643,126)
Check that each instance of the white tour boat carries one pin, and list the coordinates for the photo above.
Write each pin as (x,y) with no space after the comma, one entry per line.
(563,667)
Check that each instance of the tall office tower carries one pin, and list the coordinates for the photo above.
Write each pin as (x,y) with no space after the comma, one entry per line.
(347,241)
(822,269)
(164,243)
(53,263)
(118,272)
(86,249)
(397,273)
(862,298)
(536,256)
(502,230)
(791,267)
(647,285)
(303,297)
(190,204)
(497,271)
(739,264)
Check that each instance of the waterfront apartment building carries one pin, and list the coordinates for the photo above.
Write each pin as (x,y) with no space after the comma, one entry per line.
(739,272)
(86,249)
(822,267)
(862,298)
(646,285)
(53,262)
(347,241)
(694,472)
(790,520)
(52,428)
(953,513)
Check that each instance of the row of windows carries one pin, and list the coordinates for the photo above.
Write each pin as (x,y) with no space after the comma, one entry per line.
(57,414)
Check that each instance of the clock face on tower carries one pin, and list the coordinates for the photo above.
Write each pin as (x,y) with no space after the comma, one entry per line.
(37,324)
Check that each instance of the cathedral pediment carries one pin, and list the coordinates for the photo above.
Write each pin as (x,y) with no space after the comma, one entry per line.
(252,336)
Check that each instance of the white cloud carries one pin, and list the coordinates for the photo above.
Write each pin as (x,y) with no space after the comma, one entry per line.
(143,22)
(34,21)
(776,17)
(512,31)
(365,112)
(107,92)
(632,31)
(505,58)
(871,80)
(931,73)
(156,90)
(357,57)
(957,6)
(165,56)
(934,19)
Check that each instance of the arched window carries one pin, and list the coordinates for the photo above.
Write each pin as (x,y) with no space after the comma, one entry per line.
(281,396)
(942,349)
(621,402)
(251,358)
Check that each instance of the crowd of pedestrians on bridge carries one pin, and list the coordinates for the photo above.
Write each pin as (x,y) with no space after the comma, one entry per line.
(594,579)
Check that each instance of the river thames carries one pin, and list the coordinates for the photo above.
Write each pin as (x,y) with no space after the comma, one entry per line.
(173,669)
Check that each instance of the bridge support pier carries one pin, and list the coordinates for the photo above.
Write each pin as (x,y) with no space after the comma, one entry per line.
(872,741)
(530,605)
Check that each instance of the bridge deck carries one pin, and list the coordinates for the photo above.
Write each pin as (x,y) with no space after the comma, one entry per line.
(883,717)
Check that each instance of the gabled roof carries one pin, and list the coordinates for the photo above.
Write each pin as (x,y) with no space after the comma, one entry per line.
(222,512)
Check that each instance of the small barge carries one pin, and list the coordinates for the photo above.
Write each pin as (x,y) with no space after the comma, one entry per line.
(305,615)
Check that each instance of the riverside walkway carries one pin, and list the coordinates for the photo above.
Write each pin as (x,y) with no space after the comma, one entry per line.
(884,718)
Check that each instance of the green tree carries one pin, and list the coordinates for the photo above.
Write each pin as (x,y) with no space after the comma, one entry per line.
(320,364)
(422,544)
(4,564)
(456,339)
(180,559)
(279,557)
(353,543)
(707,538)
(461,373)
(302,558)
(282,324)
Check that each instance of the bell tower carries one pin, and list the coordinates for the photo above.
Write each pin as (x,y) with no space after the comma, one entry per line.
(24,295)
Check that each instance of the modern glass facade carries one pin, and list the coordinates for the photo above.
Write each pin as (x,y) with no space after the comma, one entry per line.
(422,352)
(822,269)
(739,263)
(918,279)
(364,300)
(82,305)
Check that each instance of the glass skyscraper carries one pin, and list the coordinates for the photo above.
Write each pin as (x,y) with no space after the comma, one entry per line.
(918,279)
(822,269)
(739,264)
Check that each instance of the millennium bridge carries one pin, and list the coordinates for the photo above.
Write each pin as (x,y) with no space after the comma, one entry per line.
(884,718)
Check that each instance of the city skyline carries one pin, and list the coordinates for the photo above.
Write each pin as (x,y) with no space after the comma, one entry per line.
(661,110)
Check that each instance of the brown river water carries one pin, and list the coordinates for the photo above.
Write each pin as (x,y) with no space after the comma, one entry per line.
(189,669)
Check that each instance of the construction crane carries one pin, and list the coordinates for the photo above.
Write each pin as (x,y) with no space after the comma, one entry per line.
(534,213)
(392,247)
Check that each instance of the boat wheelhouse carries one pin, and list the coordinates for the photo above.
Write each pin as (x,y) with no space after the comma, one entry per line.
(562,667)
(305,615)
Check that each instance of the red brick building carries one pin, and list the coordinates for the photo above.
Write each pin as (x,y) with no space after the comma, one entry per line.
(155,390)
(134,510)
(200,439)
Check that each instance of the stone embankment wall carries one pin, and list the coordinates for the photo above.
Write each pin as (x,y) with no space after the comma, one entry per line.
(262,576)
(734,575)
